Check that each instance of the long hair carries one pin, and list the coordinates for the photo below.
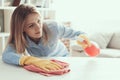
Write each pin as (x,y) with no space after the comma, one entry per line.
(17,35)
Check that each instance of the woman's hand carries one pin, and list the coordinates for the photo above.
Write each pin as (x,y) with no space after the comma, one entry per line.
(83,41)
(44,64)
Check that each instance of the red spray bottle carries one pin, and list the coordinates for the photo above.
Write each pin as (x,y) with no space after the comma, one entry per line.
(92,50)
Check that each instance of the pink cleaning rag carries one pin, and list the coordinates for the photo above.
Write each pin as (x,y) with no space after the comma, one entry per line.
(50,73)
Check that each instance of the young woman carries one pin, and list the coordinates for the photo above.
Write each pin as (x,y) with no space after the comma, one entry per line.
(31,38)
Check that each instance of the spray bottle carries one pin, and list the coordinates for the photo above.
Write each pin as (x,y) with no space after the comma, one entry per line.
(92,50)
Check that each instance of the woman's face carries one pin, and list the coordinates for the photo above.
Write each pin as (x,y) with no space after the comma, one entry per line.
(33,26)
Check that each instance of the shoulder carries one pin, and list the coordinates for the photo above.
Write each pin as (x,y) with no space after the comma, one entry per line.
(51,23)
(10,46)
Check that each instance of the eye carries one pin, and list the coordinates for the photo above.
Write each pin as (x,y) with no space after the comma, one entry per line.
(30,26)
(38,21)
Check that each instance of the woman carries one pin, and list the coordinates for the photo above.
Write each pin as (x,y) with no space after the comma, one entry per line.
(30,38)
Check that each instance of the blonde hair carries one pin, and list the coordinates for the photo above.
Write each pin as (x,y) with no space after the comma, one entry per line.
(17,36)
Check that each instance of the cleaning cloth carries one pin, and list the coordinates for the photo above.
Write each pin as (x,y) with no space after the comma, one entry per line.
(62,71)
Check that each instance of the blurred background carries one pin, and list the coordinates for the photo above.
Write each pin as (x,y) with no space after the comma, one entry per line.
(90,16)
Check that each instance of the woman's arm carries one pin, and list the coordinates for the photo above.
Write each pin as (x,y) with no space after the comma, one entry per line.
(10,56)
(67,32)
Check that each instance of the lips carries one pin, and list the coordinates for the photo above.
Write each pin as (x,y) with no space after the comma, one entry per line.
(37,33)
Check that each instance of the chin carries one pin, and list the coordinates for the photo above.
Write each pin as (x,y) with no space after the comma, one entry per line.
(38,36)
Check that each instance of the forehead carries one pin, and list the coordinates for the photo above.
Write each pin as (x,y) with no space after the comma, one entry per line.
(32,17)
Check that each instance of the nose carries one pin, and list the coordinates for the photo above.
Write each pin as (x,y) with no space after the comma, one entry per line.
(38,26)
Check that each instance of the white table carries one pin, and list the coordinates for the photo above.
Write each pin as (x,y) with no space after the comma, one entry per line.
(81,69)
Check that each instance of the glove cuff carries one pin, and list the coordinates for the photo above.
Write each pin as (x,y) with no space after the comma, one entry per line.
(22,60)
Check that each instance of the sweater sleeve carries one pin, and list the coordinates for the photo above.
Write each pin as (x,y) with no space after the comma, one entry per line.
(10,56)
(67,32)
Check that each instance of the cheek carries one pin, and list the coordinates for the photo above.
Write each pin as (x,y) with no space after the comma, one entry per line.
(29,33)
(41,29)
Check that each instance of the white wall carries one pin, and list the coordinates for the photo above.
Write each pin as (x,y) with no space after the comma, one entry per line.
(90,15)
(7,17)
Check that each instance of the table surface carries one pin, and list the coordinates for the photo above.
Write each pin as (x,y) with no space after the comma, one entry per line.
(81,69)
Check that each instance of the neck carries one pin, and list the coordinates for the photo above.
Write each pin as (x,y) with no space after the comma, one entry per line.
(35,40)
